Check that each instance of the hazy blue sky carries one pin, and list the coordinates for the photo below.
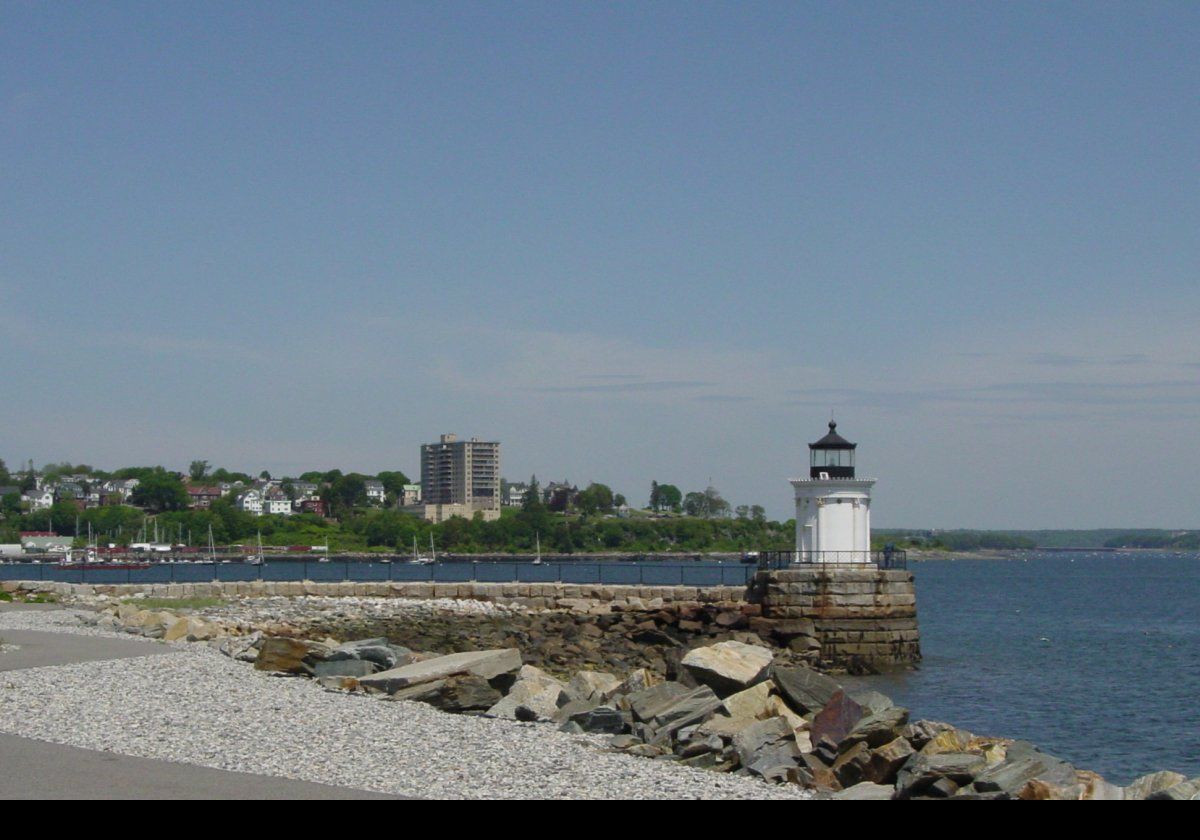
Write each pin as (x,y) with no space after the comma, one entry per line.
(630,241)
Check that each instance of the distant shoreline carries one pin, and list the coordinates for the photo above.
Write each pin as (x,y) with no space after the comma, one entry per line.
(916,555)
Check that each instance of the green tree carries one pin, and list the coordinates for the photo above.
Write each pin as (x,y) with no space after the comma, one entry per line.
(669,497)
(345,494)
(198,470)
(595,498)
(159,491)
(393,481)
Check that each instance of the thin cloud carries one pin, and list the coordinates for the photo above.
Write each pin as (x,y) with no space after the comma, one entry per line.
(621,387)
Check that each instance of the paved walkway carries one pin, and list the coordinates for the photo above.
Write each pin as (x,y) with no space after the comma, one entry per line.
(31,769)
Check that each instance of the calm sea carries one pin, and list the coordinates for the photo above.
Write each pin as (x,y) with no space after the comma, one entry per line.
(1093,657)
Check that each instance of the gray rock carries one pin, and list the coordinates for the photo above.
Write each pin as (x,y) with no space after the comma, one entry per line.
(852,765)
(773,762)
(1144,787)
(922,732)
(344,668)
(865,791)
(702,744)
(694,707)
(804,689)
(1023,764)
(887,760)
(750,739)
(602,719)
(464,693)
(728,667)
(536,697)
(649,703)
(1188,791)
(574,707)
(872,701)
(485,663)
(879,727)
(921,771)
(592,685)
(943,788)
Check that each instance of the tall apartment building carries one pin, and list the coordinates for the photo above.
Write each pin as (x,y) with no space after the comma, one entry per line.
(459,478)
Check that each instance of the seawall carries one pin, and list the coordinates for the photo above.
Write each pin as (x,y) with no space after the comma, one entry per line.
(860,619)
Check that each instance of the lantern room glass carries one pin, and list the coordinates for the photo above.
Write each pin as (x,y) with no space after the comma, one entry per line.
(831,457)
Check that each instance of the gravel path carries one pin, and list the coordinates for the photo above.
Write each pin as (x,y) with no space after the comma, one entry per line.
(196,706)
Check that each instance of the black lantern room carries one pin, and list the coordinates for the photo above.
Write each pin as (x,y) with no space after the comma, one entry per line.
(832,456)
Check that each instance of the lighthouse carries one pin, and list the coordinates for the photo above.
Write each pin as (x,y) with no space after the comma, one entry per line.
(833,506)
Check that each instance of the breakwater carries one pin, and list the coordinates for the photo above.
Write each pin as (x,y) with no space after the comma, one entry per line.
(858,619)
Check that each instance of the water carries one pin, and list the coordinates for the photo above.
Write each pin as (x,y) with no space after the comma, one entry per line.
(1094,658)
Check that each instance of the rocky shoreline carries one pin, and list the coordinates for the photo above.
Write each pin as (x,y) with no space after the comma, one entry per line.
(724,700)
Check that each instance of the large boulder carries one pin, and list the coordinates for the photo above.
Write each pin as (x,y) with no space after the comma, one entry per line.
(865,791)
(836,719)
(602,719)
(752,738)
(344,668)
(921,772)
(636,681)
(286,656)
(192,629)
(1189,790)
(487,664)
(805,689)
(1146,786)
(753,704)
(376,650)
(695,707)
(648,703)
(728,667)
(1097,789)
(464,693)
(592,685)
(851,766)
(1024,764)
(887,760)
(534,696)
(878,727)
(921,732)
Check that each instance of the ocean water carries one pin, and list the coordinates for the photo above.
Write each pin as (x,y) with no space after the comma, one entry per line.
(1093,657)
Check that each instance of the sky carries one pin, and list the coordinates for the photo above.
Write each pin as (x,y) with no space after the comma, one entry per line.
(631,241)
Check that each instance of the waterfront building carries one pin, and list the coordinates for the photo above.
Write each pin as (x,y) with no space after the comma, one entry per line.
(833,505)
(459,478)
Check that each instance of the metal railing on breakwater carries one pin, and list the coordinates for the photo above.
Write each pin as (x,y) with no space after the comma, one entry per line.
(366,571)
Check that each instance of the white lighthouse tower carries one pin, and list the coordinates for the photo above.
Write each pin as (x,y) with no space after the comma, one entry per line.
(833,508)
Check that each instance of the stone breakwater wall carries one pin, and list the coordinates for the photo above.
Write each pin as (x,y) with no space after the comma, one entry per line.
(857,619)
(568,596)
(861,616)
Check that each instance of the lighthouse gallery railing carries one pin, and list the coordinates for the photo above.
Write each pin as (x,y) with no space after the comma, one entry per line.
(888,558)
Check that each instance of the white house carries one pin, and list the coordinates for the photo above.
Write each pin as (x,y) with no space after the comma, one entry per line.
(375,491)
(39,499)
(280,505)
(251,502)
